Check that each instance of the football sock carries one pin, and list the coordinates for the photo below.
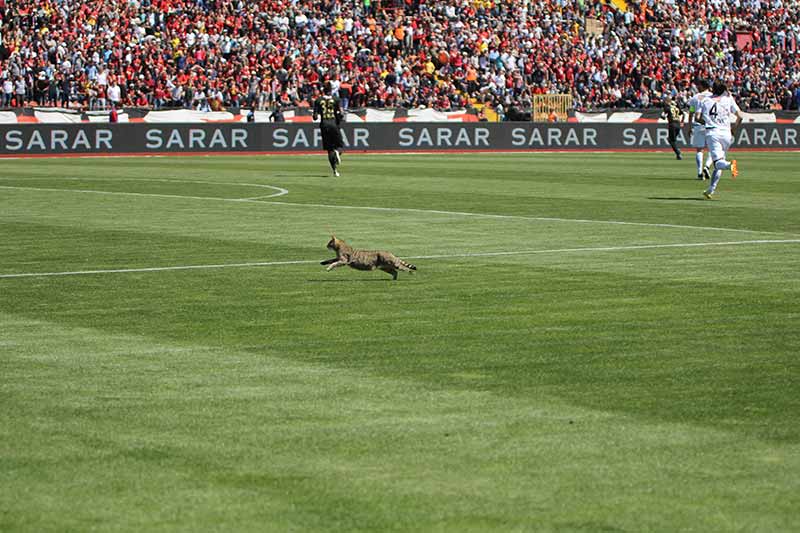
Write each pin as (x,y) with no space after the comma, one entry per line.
(709,162)
(698,158)
(332,159)
(721,164)
(714,180)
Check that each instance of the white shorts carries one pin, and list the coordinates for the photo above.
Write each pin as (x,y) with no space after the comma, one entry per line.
(718,144)
(698,137)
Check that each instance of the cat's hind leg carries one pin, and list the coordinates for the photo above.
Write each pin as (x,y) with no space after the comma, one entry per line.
(390,270)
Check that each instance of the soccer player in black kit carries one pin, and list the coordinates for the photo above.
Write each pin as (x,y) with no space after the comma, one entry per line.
(674,118)
(327,109)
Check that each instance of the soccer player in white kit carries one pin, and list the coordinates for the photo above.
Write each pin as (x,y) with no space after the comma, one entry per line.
(698,131)
(715,114)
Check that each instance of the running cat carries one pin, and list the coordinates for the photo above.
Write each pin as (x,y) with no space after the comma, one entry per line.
(364,259)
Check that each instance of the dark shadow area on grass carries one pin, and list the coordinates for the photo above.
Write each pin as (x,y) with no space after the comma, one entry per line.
(676,198)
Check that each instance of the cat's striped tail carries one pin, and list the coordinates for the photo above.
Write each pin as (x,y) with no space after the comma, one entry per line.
(406,266)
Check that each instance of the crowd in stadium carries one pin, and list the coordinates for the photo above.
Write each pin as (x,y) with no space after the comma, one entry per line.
(214,54)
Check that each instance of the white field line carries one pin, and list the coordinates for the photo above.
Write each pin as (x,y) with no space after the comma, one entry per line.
(261,197)
(612,248)
(399,210)
(441,256)
(151,269)
(279,191)
(139,194)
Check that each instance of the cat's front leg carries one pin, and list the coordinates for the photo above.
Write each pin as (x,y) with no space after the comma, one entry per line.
(335,264)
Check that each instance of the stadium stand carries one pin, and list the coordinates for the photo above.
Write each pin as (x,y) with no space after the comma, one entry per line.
(215,55)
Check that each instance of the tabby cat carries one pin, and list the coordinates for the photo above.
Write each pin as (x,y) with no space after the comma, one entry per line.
(364,259)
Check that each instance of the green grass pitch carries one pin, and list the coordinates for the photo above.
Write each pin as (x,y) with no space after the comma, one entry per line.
(587,345)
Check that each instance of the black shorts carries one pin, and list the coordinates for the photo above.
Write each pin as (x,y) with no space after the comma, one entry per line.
(331,137)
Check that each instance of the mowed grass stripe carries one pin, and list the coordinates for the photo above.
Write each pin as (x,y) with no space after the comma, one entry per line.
(440,256)
(263,443)
(263,200)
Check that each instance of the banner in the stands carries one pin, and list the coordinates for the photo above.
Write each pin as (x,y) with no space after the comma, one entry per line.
(94,138)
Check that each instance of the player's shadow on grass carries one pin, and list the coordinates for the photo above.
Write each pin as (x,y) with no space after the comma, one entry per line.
(382,280)
(302,176)
(676,198)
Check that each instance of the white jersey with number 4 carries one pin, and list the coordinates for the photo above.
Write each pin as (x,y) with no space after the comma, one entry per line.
(717,112)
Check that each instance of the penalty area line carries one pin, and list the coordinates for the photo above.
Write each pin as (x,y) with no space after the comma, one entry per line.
(440,256)
(281,192)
